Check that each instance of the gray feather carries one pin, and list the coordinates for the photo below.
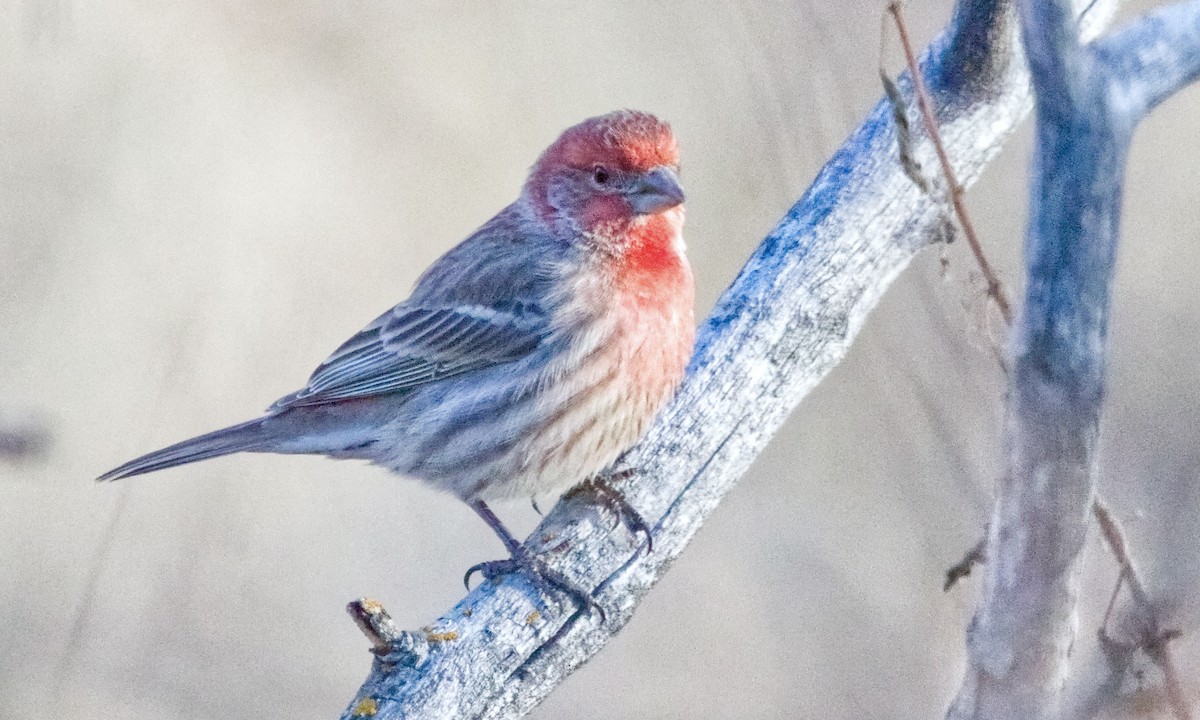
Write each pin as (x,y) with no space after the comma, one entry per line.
(478,306)
(238,438)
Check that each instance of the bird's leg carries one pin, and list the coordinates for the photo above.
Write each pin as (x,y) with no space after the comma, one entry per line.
(601,487)
(489,517)
(547,579)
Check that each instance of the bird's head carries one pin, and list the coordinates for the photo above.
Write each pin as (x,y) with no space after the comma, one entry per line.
(606,173)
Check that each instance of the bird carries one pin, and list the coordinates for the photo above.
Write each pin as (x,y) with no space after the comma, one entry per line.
(528,358)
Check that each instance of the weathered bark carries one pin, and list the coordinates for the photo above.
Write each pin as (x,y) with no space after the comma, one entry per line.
(1089,99)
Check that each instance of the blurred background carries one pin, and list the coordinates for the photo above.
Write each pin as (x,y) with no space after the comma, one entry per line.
(200,200)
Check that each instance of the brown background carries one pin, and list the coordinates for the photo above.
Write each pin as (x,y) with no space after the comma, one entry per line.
(200,200)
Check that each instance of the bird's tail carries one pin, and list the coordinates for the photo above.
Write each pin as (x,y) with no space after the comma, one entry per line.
(247,436)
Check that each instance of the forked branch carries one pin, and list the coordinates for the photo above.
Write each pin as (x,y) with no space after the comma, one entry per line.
(1151,637)
(1089,99)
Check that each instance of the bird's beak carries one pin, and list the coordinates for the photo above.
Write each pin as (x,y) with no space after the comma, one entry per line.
(657,190)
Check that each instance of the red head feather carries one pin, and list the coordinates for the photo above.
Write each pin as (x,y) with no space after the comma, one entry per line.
(626,144)
(625,140)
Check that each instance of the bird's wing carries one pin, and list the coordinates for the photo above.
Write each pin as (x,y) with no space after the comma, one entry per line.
(412,345)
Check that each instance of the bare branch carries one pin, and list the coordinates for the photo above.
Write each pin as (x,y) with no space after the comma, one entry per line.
(1024,625)
(375,623)
(1153,640)
(1150,60)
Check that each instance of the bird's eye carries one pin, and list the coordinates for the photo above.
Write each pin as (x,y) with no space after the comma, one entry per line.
(600,175)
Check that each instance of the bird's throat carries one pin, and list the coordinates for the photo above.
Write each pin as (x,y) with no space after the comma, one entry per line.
(652,261)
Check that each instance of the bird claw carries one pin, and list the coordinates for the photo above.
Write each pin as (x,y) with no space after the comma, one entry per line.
(476,568)
(547,580)
(615,501)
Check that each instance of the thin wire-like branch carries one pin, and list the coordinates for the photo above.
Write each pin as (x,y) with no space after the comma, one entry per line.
(1114,537)
(995,289)
(1180,705)
(904,137)
(1152,637)
(784,323)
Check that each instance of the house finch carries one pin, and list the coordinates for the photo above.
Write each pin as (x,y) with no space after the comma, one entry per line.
(529,357)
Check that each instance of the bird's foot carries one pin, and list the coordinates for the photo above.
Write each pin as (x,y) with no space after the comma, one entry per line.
(547,580)
(601,487)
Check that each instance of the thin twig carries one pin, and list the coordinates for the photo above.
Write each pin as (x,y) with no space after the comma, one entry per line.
(1114,536)
(962,568)
(908,161)
(1112,599)
(904,139)
(375,622)
(995,289)
(1153,639)
(1161,656)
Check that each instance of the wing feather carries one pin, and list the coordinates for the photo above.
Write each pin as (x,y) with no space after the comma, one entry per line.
(412,345)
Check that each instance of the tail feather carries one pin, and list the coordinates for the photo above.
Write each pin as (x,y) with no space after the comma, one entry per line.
(247,436)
